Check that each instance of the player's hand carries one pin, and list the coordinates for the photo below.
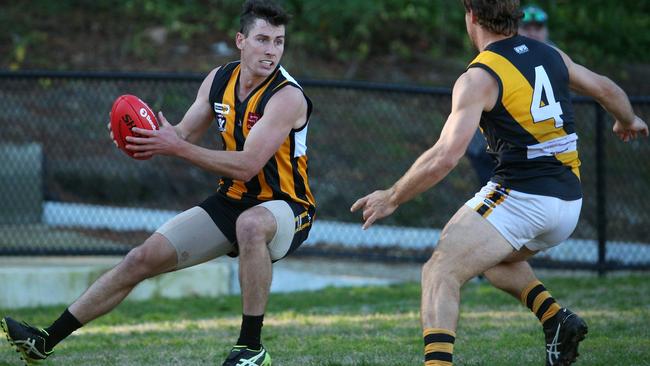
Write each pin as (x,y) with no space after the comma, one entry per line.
(375,206)
(163,141)
(110,130)
(636,129)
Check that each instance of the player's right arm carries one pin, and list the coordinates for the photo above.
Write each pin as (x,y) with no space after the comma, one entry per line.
(609,95)
(199,116)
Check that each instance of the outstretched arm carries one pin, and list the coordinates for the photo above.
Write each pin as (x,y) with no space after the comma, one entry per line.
(285,110)
(474,92)
(584,81)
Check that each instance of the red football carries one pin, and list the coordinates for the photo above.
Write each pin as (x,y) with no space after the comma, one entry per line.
(129,111)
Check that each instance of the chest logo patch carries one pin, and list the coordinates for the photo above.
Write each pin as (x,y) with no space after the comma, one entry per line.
(252,120)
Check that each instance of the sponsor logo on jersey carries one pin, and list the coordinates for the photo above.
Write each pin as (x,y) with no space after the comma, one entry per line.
(221,120)
(252,120)
(521,49)
(222,109)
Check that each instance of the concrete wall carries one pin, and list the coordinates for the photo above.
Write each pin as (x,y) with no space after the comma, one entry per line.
(28,282)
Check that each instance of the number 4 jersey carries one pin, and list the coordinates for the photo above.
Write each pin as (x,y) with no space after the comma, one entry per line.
(530,130)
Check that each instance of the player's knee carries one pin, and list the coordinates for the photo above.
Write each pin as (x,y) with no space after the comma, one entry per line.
(437,270)
(138,264)
(251,231)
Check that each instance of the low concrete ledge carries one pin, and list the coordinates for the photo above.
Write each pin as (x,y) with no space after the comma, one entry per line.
(36,281)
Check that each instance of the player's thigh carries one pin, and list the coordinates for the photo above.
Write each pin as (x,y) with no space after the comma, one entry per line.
(293,222)
(469,245)
(195,237)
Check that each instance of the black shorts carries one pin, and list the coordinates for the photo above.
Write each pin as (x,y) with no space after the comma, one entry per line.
(225,211)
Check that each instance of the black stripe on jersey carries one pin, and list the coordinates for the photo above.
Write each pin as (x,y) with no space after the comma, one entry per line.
(217,89)
(220,82)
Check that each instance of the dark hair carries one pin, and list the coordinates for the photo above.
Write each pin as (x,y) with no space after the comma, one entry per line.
(261,9)
(497,16)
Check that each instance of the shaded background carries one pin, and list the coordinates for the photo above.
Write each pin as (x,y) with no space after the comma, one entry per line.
(360,139)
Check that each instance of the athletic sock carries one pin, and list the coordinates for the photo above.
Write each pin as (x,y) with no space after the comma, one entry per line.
(61,328)
(438,347)
(539,301)
(251,331)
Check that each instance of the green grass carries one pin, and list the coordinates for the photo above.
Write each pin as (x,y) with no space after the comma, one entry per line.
(359,326)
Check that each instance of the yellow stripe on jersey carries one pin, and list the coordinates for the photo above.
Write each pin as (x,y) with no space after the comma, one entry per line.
(238,187)
(285,170)
(266,193)
(290,170)
(229,135)
(517,98)
(302,170)
(570,159)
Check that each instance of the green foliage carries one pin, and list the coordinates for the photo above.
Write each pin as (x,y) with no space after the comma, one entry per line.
(602,32)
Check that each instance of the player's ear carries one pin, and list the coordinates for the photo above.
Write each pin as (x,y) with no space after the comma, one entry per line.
(473,17)
(239,40)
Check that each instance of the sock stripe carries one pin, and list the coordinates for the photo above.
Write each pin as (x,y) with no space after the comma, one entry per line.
(439,347)
(524,293)
(437,363)
(540,300)
(439,331)
(438,356)
(438,338)
(532,295)
(544,307)
(553,309)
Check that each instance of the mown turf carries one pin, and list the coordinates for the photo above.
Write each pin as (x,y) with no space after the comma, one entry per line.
(359,326)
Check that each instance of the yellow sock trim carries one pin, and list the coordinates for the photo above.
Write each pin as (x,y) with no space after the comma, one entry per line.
(539,300)
(552,310)
(524,294)
(438,363)
(438,331)
(439,347)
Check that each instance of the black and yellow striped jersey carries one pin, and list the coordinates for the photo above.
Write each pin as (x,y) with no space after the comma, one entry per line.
(285,175)
(530,130)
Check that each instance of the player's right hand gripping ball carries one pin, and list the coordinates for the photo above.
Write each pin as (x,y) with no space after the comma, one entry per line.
(129,111)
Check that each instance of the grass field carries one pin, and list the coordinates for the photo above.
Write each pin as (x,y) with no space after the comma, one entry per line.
(359,326)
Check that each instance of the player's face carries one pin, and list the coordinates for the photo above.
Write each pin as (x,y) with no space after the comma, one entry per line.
(262,48)
(537,32)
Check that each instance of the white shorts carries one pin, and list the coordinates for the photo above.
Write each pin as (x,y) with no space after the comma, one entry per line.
(197,239)
(534,221)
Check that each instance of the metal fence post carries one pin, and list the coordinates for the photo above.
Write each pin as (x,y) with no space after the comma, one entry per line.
(601,200)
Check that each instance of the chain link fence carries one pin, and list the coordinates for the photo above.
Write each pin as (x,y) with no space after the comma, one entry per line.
(66,190)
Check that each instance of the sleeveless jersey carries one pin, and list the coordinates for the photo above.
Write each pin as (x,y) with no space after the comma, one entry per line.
(530,130)
(284,176)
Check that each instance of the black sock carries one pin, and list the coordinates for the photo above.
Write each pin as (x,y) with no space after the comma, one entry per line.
(61,328)
(251,331)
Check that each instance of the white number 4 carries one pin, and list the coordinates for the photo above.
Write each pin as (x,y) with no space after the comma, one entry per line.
(544,112)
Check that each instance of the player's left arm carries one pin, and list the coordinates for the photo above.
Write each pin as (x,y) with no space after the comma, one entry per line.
(628,126)
(474,92)
(287,109)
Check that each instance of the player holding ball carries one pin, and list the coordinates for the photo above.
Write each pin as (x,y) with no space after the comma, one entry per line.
(262,210)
